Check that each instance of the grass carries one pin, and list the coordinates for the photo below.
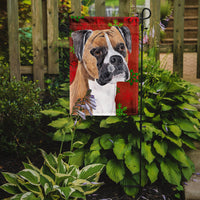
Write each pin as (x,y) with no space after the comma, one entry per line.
(140,2)
(112,3)
(115,3)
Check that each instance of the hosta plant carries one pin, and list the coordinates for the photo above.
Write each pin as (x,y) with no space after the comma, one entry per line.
(170,123)
(54,180)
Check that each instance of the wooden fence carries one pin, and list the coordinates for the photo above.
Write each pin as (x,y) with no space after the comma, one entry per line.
(178,47)
(45,34)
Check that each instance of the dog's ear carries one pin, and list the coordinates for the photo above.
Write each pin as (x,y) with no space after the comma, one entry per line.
(79,39)
(126,34)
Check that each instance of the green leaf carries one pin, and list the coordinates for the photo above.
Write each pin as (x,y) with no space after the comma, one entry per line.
(52,112)
(64,103)
(11,178)
(147,153)
(165,107)
(119,148)
(160,147)
(29,196)
(171,172)
(84,138)
(191,100)
(179,154)
(60,135)
(175,130)
(197,114)
(129,184)
(147,113)
(132,161)
(33,188)
(193,119)
(106,141)
(66,191)
(29,165)
(95,146)
(174,140)
(188,142)
(50,160)
(62,122)
(185,106)
(61,168)
(175,87)
(92,157)
(68,154)
(77,194)
(113,120)
(193,135)
(46,183)
(188,171)
(115,170)
(153,171)
(60,178)
(157,118)
(150,102)
(30,175)
(10,188)
(78,157)
(16,197)
(145,178)
(78,144)
(84,125)
(103,124)
(186,125)
(93,170)
(45,171)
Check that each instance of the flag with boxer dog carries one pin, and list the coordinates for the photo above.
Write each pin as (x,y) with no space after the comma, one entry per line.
(104,55)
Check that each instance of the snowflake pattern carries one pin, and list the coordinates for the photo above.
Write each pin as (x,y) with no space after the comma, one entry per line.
(120,111)
(133,77)
(115,23)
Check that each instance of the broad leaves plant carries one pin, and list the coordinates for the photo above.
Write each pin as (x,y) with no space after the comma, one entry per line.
(54,180)
(170,122)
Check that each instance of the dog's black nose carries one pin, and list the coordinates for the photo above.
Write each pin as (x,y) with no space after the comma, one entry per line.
(116,60)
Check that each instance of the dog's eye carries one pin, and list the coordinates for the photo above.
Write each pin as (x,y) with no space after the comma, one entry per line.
(98,52)
(121,47)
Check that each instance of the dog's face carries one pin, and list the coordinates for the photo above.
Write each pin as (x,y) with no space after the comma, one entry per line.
(104,53)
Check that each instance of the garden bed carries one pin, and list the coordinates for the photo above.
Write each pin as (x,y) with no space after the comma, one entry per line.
(109,191)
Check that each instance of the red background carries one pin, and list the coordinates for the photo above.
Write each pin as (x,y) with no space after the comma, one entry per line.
(128,94)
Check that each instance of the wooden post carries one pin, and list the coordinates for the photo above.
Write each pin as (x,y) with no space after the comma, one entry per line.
(155,27)
(52,32)
(178,47)
(124,8)
(134,7)
(100,8)
(14,44)
(76,7)
(198,44)
(37,38)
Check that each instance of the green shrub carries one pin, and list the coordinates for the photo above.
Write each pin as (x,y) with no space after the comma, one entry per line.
(26,49)
(170,123)
(19,112)
(54,180)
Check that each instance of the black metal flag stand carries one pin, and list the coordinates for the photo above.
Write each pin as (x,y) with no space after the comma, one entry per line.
(141,83)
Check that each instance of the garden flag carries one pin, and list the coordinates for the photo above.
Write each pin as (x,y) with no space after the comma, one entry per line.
(104,55)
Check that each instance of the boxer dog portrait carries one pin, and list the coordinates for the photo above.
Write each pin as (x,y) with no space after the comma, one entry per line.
(103,58)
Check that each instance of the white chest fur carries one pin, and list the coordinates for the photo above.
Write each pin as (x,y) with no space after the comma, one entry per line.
(105,98)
